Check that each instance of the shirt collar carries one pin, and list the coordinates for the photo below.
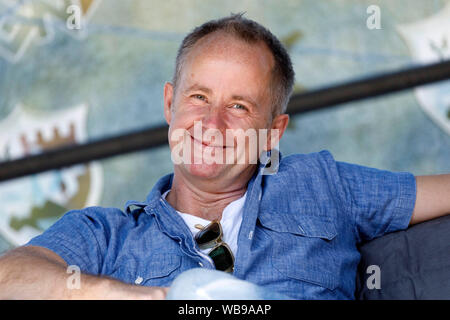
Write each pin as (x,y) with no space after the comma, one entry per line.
(267,165)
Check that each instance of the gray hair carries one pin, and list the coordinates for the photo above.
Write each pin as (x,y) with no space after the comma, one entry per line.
(251,32)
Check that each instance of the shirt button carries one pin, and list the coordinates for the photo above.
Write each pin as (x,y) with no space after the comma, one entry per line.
(138,280)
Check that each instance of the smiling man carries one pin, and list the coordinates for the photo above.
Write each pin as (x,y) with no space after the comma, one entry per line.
(224,84)
(290,225)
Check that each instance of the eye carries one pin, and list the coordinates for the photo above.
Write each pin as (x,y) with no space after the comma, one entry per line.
(200,97)
(239,106)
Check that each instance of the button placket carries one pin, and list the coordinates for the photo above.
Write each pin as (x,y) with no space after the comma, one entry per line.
(184,238)
(251,209)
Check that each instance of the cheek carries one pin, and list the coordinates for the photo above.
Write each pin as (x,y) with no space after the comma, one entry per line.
(186,114)
(248,142)
(180,126)
(182,118)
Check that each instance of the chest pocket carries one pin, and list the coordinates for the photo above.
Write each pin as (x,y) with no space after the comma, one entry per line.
(154,270)
(160,270)
(303,249)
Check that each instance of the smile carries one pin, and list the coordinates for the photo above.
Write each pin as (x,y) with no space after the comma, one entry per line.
(206,144)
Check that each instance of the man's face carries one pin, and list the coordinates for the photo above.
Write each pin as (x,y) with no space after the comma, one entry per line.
(224,86)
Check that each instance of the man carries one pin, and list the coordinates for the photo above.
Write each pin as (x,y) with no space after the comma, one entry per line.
(290,225)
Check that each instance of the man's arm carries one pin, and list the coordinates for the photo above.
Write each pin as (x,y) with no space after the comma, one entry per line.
(432,197)
(38,273)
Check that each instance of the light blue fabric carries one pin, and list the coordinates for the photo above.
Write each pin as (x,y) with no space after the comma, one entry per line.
(207,284)
(298,237)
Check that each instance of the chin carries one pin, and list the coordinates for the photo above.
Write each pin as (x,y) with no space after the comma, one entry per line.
(207,171)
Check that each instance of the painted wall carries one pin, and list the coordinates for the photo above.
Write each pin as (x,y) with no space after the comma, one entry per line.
(59,85)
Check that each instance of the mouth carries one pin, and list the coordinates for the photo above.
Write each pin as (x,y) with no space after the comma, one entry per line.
(208,144)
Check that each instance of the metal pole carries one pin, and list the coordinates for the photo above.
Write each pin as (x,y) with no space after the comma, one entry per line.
(153,137)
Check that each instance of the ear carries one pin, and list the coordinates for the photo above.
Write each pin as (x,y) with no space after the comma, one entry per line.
(168,99)
(279,125)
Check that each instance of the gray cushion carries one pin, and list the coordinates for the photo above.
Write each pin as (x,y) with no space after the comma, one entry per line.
(414,263)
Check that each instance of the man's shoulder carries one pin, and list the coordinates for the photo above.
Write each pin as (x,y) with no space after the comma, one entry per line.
(307,161)
(104,215)
(307,171)
(295,190)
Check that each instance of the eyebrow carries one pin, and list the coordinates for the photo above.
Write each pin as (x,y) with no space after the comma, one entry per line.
(208,90)
(198,87)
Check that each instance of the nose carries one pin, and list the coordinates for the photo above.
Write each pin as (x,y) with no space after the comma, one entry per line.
(214,126)
(214,118)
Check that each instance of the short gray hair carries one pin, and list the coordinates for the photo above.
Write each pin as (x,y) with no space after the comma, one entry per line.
(283,75)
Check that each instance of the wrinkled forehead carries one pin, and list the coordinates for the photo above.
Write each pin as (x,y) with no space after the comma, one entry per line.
(251,63)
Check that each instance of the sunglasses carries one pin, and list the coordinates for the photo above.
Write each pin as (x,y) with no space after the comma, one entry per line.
(211,237)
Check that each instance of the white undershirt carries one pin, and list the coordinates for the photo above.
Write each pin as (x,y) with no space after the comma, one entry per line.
(231,222)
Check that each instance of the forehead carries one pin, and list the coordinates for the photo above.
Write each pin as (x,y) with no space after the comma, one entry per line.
(223,43)
(244,62)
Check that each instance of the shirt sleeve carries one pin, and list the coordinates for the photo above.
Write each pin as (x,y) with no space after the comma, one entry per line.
(79,237)
(378,201)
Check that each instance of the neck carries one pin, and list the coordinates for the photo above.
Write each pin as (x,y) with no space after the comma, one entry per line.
(206,198)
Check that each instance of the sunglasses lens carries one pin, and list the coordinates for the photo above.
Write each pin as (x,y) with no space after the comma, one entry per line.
(221,255)
(208,235)
(222,258)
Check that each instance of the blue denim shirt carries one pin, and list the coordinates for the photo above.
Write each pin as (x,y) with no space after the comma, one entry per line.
(299,233)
